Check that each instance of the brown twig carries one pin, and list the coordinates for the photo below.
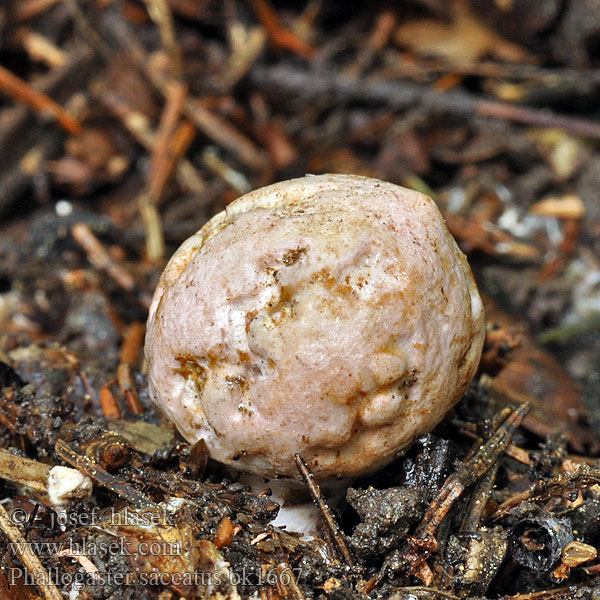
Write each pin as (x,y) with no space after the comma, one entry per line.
(285,81)
(155,242)
(160,165)
(24,551)
(422,543)
(288,581)
(383,28)
(317,496)
(138,125)
(97,473)
(102,260)
(278,35)
(466,475)
(560,485)
(40,48)
(538,118)
(160,13)
(133,338)
(29,9)
(108,403)
(225,134)
(246,47)
(169,152)
(21,91)
(212,125)
(24,471)
(564,593)
(518,454)
(478,501)
(128,389)
(89,34)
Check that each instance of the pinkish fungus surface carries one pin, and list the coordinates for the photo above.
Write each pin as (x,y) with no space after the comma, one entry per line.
(330,315)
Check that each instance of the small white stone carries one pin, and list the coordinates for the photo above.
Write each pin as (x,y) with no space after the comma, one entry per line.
(63,208)
(65,484)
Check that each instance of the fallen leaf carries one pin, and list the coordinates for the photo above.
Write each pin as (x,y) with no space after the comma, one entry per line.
(464,39)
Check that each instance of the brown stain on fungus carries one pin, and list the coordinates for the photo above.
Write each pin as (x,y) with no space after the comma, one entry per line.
(237,381)
(293,256)
(190,368)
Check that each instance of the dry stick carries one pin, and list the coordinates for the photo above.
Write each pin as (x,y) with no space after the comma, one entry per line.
(537,117)
(557,486)
(128,389)
(285,81)
(383,29)
(515,452)
(278,35)
(162,165)
(288,581)
(160,13)
(161,169)
(234,179)
(78,62)
(467,474)
(21,91)
(24,471)
(97,473)
(245,52)
(23,549)
(89,34)
(108,403)
(564,593)
(102,260)
(226,135)
(133,340)
(155,241)
(422,543)
(212,125)
(478,501)
(175,100)
(138,125)
(317,496)
(40,48)
(177,146)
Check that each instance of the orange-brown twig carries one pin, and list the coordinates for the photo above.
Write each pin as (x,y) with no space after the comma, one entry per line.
(128,389)
(108,403)
(177,146)
(176,94)
(21,91)
(278,35)
(133,339)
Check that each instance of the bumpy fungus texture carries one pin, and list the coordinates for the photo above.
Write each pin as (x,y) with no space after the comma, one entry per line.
(330,315)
